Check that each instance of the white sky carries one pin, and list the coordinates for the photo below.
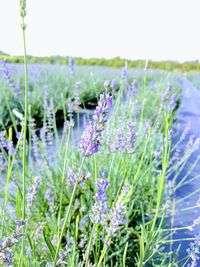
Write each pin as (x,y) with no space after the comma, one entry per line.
(133,29)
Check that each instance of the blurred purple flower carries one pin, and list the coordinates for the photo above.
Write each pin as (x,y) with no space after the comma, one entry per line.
(7,75)
(172,103)
(113,85)
(133,87)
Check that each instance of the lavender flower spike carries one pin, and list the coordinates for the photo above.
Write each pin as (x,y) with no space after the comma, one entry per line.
(91,138)
(100,206)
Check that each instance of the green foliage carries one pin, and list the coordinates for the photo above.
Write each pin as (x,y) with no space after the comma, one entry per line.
(114,62)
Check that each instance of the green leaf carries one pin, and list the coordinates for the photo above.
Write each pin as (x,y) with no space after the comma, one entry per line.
(49,244)
(32,243)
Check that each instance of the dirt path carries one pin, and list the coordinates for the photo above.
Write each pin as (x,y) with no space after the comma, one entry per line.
(188,114)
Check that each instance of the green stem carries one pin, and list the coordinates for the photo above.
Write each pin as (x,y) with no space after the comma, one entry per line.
(103,252)
(63,176)
(89,246)
(25,123)
(67,214)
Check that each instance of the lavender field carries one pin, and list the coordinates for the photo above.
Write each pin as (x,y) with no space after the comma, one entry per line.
(99,165)
(102,168)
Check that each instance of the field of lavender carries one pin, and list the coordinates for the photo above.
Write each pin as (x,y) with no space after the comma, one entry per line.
(99,167)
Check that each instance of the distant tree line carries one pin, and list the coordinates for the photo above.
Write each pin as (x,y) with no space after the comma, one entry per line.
(114,62)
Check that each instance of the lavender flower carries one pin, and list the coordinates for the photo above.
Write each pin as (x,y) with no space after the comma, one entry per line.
(123,139)
(7,75)
(124,72)
(113,85)
(118,142)
(68,124)
(6,254)
(38,231)
(131,137)
(100,206)
(22,8)
(115,219)
(73,178)
(133,87)
(7,144)
(34,138)
(172,103)
(91,138)
(192,145)
(193,252)
(50,111)
(71,64)
(32,193)
(165,95)
(77,100)
(46,91)
(50,198)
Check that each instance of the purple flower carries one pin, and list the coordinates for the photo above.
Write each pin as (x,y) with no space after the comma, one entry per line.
(113,85)
(124,73)
(72,177)
(7,144)
(172,103)
(71,64)
(100,206)
(7,75)
(102,185)
(116,219)
(133,87)
(90,141)
(165,95)
(193,252)
(103,173)
(91,138)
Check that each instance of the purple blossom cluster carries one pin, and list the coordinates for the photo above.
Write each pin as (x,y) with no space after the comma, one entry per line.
(115,219)
(46,133)
(113,85)
(193,144)
(32,192)
(71,64)
(172,103)
(34,138)
(124,138)
(7,144)
(166,94)
(73,177)
(100,206)
(92,136)
(193,252)
(7,75)
(124,73)
(51,199)
(133,88)
(111,219)
(6,254)
(68,124)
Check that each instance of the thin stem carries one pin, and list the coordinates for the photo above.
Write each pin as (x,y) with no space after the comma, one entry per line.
(25,124)
(67,214)
(63,175)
